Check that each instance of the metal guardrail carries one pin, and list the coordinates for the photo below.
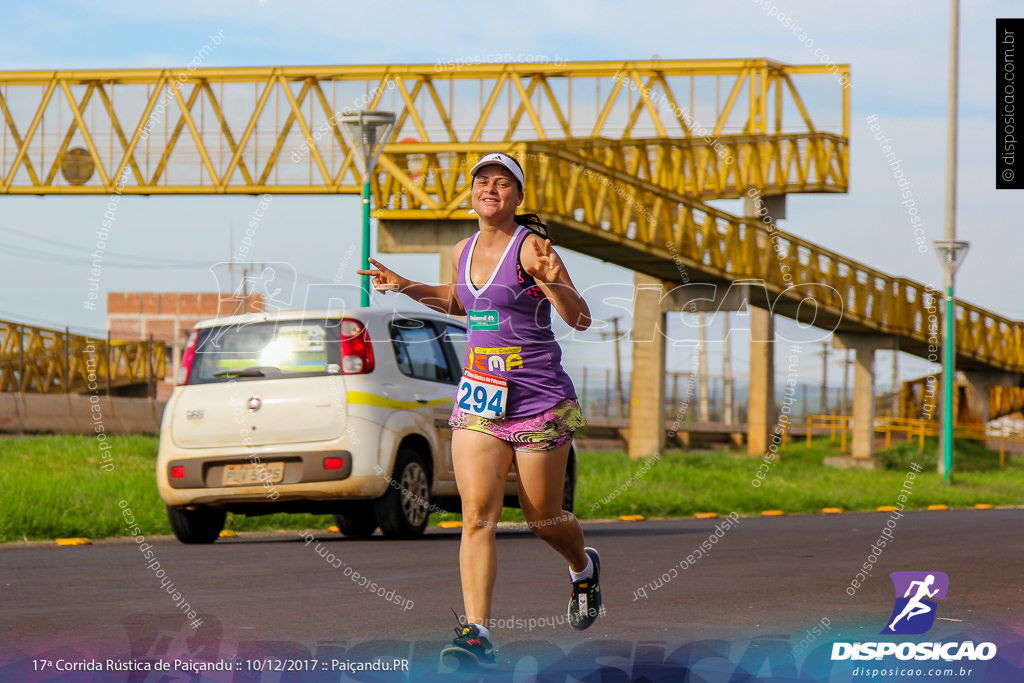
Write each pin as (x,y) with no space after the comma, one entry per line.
(841,425)
(44,361)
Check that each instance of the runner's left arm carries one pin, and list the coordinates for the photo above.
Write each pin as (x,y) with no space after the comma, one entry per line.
(545,266)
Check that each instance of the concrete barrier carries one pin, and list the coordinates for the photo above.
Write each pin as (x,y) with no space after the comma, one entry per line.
(75,414)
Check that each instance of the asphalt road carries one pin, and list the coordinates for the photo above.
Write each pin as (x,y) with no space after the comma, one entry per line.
(764,582)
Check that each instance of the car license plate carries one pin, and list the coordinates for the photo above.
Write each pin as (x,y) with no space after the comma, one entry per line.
(253,473)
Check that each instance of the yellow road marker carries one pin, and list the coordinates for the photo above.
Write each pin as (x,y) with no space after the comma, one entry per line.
(706,515)
(886,508)
(334,529)
(772,513)
(227,533)
(832,511)
(938,507)
(632,518)
(73,541)
(450,525)
(983,506)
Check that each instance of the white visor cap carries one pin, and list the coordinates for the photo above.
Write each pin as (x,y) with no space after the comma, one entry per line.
(502,160)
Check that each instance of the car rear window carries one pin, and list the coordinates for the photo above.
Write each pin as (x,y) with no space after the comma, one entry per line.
(418,351)
(267,350)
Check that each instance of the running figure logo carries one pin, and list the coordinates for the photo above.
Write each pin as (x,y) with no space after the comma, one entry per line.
(914,612)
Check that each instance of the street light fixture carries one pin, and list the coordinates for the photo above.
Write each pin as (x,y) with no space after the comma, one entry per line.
(365,132)
(951,254)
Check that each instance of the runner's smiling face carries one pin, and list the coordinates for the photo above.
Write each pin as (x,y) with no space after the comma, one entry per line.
(496,193)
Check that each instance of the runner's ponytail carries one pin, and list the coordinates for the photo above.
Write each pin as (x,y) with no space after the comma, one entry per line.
(534,224)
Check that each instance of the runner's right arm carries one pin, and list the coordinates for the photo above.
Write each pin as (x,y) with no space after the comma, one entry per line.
(441,298)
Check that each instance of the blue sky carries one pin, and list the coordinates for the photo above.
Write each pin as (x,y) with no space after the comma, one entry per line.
(897,52)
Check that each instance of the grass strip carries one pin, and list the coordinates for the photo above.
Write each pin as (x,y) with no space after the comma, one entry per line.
(55,486)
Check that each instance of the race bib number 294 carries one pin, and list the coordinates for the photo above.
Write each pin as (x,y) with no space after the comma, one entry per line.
(482,394)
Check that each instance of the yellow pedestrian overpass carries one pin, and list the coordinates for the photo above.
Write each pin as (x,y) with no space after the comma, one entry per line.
(621,158)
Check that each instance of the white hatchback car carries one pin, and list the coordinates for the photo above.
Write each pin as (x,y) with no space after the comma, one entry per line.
(319,412)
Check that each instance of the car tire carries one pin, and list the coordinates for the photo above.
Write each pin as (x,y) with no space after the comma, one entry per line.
(569,484)
(358,520)
(196,526)
(404,510)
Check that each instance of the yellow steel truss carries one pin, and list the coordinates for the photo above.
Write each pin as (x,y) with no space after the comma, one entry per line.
(633,203)
(39,360)
(1005,400)
(248,130)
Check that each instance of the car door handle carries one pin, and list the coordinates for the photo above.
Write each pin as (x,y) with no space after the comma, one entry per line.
(420,398)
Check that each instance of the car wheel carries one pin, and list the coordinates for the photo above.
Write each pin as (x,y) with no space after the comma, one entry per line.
(404,510)
(358,520)
(569,484)
(196,526)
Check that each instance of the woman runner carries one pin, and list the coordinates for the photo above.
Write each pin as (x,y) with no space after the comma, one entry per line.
(515,404)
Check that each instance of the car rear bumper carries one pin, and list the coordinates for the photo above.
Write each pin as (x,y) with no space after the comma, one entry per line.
(231,497)
(206,473)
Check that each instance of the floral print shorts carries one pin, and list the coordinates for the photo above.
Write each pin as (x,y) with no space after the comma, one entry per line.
(544,431)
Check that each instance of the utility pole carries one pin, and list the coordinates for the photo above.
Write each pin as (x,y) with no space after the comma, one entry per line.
(675,392)
(824,378)
(702,359)
(583,391)
(242,293)
(619,408)
(896,377)
(846,380)
(607,393)
(618,369)
(727,372)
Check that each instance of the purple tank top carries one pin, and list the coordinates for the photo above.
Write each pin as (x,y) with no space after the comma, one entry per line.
(510,336)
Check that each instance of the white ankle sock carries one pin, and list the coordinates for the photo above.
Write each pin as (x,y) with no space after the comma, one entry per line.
(586,573)
(484,631)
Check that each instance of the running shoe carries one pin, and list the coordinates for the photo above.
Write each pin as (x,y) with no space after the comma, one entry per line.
(470,646)
(585,602)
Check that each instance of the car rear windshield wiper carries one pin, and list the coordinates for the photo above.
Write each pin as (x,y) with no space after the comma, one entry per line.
(242,372)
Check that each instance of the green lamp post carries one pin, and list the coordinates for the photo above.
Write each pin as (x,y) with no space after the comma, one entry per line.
(951,254)
(365,133)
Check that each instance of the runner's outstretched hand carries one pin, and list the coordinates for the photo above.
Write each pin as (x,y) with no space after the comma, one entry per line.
(548,266)
(383,279)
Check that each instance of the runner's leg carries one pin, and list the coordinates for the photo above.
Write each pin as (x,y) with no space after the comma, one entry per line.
(481,464)
(541,477)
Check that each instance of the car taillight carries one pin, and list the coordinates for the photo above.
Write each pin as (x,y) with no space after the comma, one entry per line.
(178,472)
(187,357)
(356,349)
(333,463)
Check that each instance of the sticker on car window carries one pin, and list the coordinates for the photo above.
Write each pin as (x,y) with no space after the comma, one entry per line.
(302,337)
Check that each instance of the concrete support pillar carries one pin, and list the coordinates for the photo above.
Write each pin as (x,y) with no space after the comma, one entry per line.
(647,387)
(761,402)
(862,445)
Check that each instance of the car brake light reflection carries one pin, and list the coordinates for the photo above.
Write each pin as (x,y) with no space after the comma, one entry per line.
(187,358)
(356,348)
(333,463)
(178,472)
